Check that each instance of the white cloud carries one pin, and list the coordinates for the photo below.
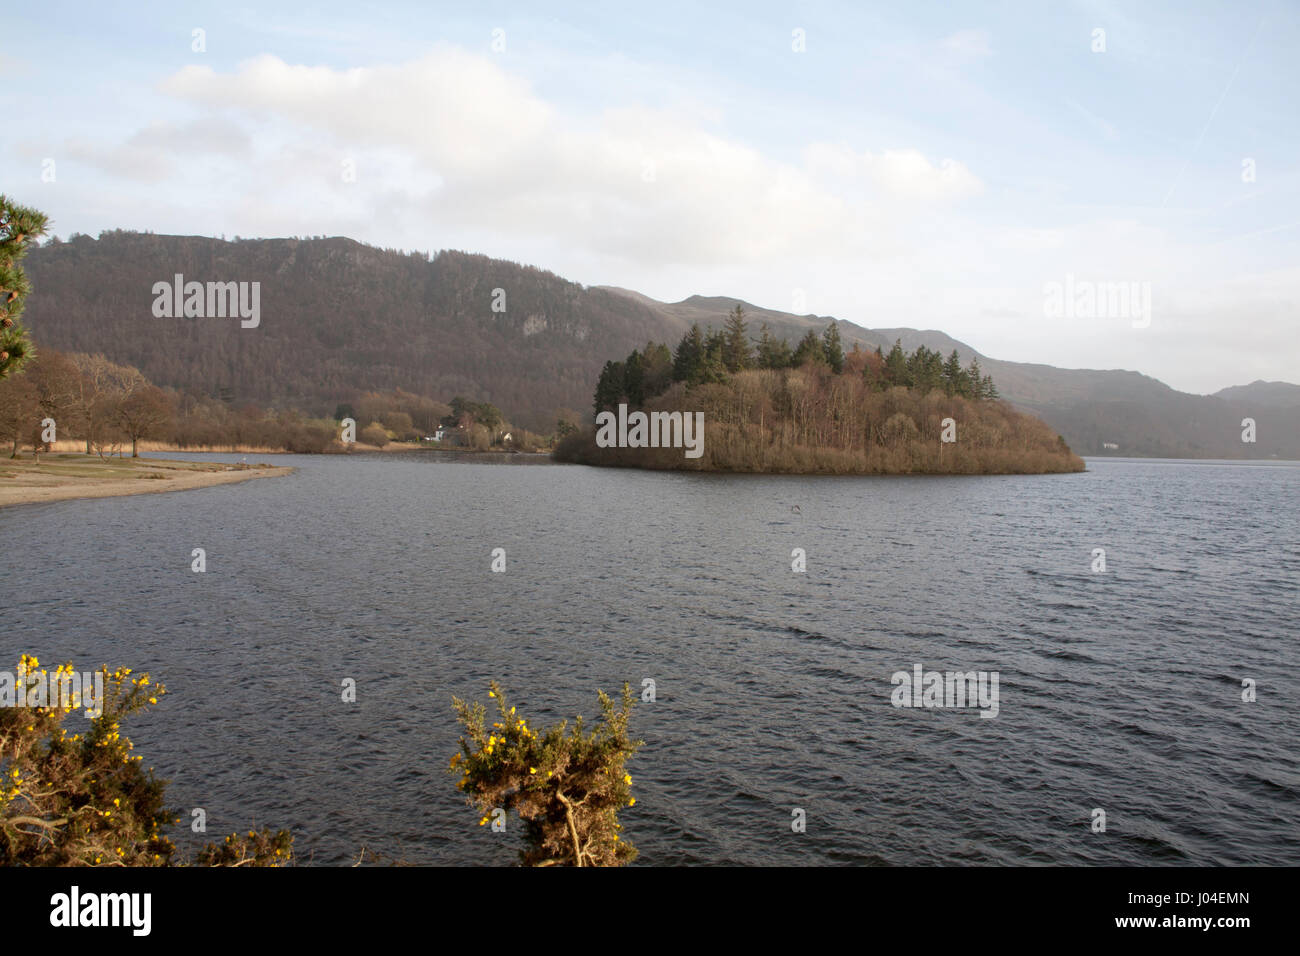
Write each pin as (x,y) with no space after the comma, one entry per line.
(904,174)
(453,151)
(459,112)
(125,161)
(153,153)
(907,173)
(633,183)
(968,43)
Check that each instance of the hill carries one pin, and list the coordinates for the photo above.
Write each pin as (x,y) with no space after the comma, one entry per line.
(339,318)
(1276,394)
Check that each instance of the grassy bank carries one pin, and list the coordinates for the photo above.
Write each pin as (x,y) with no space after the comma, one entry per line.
(63,475)
(76,445)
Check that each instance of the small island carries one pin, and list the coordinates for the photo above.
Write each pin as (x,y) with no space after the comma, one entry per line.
(814,409)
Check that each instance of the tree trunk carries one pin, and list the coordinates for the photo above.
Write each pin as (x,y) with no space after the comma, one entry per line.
(573,829)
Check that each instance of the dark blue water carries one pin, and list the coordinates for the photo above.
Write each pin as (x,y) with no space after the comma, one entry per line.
(1119,691)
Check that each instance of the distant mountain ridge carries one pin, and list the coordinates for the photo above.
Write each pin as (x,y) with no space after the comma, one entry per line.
(340,317)
(1280,394)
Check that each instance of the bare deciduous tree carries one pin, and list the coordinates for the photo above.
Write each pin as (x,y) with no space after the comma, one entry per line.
(141,412)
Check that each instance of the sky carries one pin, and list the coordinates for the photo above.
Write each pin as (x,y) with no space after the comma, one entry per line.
(957,166)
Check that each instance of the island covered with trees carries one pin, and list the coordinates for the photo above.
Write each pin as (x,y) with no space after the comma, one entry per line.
(815,409)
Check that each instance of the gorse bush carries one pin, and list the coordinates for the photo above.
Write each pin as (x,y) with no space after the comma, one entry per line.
(84,799)
(567,784)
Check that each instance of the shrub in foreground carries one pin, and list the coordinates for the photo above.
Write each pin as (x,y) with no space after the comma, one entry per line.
(567,784)
(84,799)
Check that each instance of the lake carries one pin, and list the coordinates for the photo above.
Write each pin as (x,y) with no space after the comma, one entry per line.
(1119,690)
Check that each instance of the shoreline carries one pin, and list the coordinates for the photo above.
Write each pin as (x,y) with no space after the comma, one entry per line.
(77,446)
(66,477)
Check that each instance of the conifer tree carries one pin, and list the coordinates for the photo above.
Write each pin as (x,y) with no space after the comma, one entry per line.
(19,226)
(810,349)
(833,348)
(766,344)
(714,366)
(896,370)
(609,387)
(736,353)
(689,356)
(773,353)
(976,378)
(916,367)
(634,379)
(953,376)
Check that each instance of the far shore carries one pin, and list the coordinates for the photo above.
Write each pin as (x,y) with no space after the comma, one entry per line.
(60,476)
(74,445)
